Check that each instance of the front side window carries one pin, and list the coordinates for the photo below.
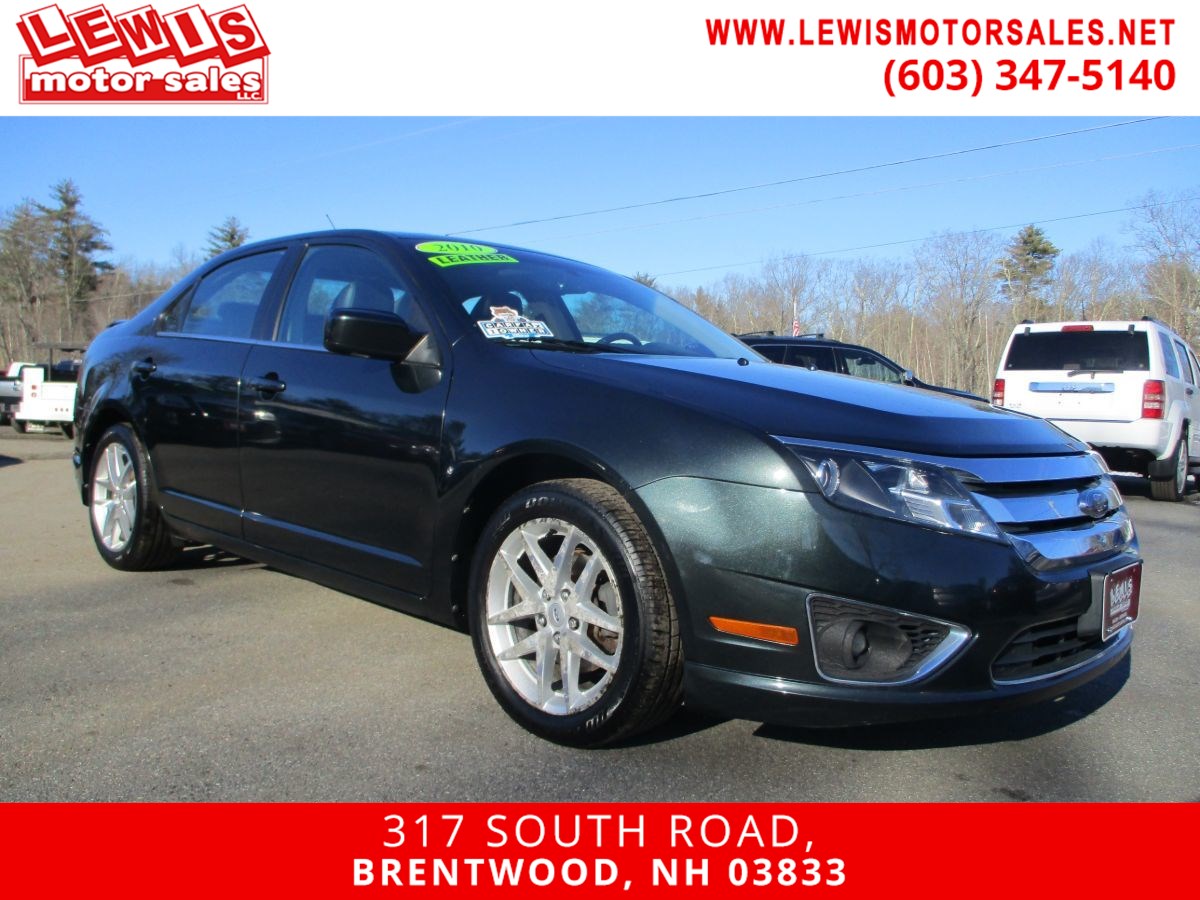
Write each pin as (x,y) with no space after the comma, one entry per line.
(225,303)
(868,365)
(336,277)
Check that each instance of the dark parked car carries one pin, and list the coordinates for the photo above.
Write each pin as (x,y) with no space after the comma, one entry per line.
(623,506)
(815,351)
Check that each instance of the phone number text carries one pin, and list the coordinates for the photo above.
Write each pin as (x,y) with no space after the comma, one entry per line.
(901,76)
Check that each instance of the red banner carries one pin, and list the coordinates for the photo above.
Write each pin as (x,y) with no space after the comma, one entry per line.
(595,850)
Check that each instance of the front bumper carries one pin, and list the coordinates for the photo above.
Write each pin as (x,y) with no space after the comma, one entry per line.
(782,701)
(759,554)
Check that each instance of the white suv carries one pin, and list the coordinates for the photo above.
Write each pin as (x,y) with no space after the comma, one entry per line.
(1130,389)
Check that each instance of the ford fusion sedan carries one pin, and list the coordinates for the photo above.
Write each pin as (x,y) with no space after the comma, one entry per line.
(624,506)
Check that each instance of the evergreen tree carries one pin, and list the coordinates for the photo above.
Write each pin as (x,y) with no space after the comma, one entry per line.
(1024,271)
(75,241)
(226,236)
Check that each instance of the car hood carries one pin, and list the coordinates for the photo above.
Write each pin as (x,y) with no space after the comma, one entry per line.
(820,406)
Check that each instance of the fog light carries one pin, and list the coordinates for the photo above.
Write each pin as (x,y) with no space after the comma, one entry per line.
(861,642)
(844,643)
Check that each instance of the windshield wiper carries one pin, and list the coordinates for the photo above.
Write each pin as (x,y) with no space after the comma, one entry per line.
(567,346)
(1093,371)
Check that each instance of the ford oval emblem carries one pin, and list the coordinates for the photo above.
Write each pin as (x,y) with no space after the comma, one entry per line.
(1094,503)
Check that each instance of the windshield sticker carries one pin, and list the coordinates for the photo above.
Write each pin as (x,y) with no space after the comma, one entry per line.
(453,253)
(508,323)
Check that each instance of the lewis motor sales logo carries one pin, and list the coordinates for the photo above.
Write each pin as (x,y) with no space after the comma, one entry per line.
(142,56)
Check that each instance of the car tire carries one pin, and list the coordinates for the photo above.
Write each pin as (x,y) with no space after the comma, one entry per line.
(579,642)
(68,430)
(18,425)
(127,525)
(1175,486)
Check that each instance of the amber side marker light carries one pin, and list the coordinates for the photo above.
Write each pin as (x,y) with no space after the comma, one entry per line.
(776,634)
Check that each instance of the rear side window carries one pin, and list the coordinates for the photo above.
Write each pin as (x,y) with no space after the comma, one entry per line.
(773,352)
(335,277)
(225,303)
(1168,355)
(1104,351)
(812,358)
(1183,361)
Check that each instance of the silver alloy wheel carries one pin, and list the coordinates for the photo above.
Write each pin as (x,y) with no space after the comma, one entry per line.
(114,497)
(554,616)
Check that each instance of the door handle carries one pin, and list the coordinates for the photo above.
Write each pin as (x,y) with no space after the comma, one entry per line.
(267,385)
(1190,392)
(144,368)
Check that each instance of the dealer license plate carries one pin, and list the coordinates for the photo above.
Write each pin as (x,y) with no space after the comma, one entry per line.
(1122,592)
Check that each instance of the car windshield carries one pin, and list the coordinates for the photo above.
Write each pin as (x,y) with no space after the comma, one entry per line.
(1111,351)
(521,298)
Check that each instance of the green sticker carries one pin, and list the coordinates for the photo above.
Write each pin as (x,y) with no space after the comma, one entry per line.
(453,247)
(453,253)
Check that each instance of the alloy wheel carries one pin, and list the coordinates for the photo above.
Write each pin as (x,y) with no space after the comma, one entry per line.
(553,612)
(114,497)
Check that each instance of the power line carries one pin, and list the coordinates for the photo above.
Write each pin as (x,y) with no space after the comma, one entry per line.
(786,181)
(966,179)
(1087,215)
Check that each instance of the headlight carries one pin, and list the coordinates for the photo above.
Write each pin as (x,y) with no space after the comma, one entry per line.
(897,489)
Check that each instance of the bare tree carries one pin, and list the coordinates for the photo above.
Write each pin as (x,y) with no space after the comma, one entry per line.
(26,279)
(786,278)
(1167,231)
(956,284)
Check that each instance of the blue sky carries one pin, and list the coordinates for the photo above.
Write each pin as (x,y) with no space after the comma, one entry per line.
(157,183)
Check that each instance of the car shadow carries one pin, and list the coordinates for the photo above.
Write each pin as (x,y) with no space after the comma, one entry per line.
(9,461)
(209,557)
(1133,486)
(685,722)
(990,728)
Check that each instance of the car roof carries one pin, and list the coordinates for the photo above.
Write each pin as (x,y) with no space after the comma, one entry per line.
(1143,324)
(798,339)
(400,237)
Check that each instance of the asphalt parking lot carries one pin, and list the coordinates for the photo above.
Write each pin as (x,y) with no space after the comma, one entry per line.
(226,680)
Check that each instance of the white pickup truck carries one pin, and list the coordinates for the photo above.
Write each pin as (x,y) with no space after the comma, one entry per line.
(47,398)
(10,390)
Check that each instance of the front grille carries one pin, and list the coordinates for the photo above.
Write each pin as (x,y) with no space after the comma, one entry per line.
(1044,650)
(1046,519)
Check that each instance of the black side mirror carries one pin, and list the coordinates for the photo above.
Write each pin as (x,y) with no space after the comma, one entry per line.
(908,377)
(371,333)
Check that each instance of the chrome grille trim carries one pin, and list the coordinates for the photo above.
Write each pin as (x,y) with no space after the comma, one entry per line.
(1026,509)
(1056,549)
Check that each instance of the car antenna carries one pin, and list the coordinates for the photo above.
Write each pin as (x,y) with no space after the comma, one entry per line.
(331,225)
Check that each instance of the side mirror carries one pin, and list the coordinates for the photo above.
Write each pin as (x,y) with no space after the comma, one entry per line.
(908,377)
(370,333)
